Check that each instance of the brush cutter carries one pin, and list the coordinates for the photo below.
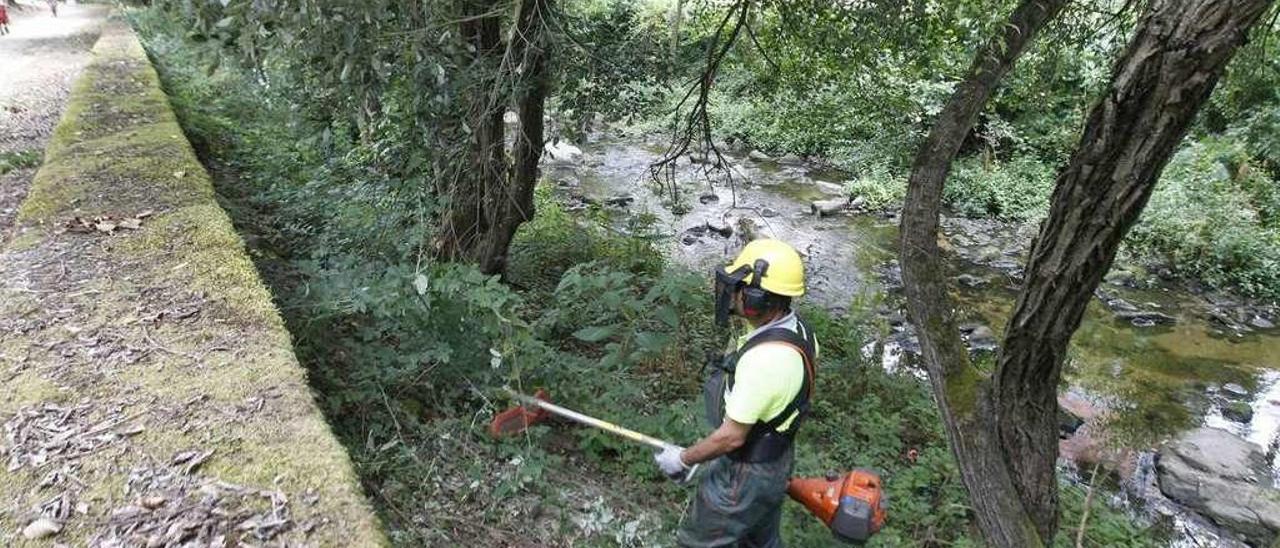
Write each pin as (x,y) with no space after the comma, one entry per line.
(519,418)
(852,505)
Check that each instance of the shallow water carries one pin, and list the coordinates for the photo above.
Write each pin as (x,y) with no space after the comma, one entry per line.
(1139,385)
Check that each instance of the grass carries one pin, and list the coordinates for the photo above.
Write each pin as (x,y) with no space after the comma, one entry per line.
(97,319)
(20,159)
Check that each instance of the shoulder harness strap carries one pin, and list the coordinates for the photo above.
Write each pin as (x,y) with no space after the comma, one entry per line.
(804,342)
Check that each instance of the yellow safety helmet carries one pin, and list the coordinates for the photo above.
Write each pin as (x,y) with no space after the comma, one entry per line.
(785,273)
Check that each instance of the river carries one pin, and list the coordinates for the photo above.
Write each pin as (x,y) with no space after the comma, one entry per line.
(1152,359)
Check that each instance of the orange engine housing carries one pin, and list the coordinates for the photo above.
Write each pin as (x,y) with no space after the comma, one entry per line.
(853,506)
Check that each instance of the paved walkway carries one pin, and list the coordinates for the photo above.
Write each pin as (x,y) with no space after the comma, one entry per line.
(39,61)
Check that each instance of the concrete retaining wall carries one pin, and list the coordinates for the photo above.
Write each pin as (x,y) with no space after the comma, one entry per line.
(148,387)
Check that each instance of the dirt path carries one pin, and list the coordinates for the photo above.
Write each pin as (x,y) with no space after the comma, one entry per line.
(39,61)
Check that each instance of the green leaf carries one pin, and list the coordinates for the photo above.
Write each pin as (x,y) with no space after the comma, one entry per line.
(650,341)
(595,333)
(668,316)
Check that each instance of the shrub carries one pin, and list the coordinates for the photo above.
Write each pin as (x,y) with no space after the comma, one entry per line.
(1015,190)
(1213,217)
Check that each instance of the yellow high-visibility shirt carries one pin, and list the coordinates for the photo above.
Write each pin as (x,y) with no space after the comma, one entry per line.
(767,378)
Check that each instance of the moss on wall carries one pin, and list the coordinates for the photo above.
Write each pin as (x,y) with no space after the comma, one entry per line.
(166,324)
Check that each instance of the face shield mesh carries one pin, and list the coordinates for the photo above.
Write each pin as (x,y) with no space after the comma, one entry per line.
(726,283)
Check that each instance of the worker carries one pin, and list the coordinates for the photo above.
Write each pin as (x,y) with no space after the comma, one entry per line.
(757,395)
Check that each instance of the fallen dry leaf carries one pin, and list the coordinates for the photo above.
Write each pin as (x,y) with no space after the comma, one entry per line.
(153,502)
(191,460)
(41,528)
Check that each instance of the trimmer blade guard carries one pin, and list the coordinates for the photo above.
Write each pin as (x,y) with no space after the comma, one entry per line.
(519,418)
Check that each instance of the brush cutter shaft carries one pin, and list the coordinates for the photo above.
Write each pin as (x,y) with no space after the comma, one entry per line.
(589,421)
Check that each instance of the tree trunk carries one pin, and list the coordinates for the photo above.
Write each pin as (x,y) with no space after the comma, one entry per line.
(1165,75)
(531,48)
(960,390)
(489,199)
(1003,428)
(483,171)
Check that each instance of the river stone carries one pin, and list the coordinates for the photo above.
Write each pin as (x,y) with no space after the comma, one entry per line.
(832,189)
(1225,478)
(768,212)
(41,528)
(1122,278)
(720,227)
(982,338)
(1146,318)
(562,152)
(828,207)
(791,160)
(1120,305)
(1238,411)
(971,281)
(1261,323)
(699,158)
(1234,390)
(759,156)
(619,200)
(1068,423)
(708,198)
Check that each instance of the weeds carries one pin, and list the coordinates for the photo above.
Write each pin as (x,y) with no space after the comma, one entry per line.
(21,159)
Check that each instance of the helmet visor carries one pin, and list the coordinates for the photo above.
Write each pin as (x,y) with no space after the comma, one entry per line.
(726,283)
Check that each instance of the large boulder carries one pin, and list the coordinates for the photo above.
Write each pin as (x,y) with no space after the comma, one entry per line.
(1226,479)
(562,152)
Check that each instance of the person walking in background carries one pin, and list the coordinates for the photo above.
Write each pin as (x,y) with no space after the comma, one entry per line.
(53,7)
(4,18)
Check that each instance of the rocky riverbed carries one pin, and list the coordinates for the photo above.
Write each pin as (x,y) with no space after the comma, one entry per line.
(1155,360)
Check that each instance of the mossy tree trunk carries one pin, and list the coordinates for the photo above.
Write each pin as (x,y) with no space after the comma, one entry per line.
(490,196)
(1002,427)
(961,392)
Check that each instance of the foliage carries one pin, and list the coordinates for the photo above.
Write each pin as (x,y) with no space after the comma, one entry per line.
(1015,190)
(879,186)
(855,85)
(618,55)
(551,242)
(1215,217)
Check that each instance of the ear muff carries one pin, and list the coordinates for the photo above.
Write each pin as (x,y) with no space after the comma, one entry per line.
(755,300)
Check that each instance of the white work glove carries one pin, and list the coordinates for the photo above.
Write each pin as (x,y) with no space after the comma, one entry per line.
(672,465)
